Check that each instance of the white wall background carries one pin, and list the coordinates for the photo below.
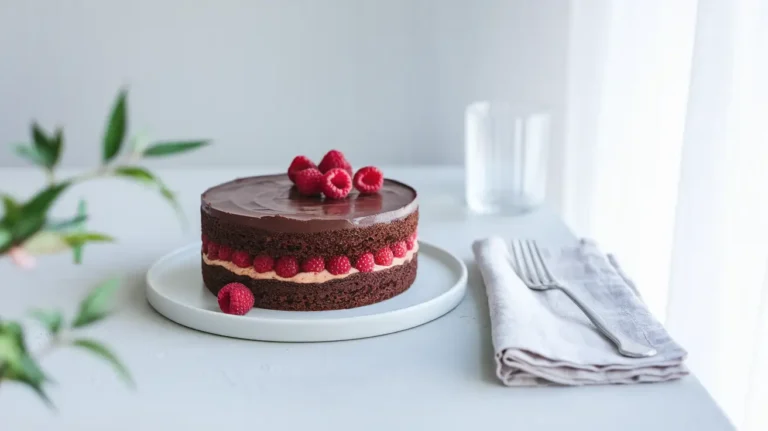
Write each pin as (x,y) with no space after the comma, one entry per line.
(385,81)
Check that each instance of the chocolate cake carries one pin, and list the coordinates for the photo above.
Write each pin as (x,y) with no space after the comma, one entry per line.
(309,253)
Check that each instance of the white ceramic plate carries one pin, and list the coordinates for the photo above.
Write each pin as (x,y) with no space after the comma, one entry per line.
(175,289)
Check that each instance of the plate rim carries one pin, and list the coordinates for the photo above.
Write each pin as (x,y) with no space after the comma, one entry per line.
(459,284)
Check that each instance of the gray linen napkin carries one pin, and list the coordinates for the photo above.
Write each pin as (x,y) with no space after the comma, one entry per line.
(542,338)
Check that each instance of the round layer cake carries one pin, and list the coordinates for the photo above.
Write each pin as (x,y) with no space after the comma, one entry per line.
(252,225)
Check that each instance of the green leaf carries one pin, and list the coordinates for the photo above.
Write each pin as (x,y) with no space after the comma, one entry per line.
(44,145)
(46,242)
(103,352)
(42,201)
(95,306)
(26,227)
(74,222)
(137,173)
(5,239)
(160,149)
(115,131)
(80,238)
(11,343)
(51,319)
(57,143)
(77,250)
(31,154)
(28,371)
(11,210)
(15,363)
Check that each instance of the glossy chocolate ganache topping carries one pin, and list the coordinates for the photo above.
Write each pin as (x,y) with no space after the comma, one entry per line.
(270,202)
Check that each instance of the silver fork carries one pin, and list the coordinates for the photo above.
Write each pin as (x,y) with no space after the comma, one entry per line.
(531,268)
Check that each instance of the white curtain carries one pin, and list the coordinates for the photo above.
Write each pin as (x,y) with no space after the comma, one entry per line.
(666,164)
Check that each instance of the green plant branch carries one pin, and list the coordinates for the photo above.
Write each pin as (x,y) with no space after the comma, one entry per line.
(26,230)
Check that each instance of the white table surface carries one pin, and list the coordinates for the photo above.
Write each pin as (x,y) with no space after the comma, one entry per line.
(436,376)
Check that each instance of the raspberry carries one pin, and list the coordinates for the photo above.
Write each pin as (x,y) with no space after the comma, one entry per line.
(313,264)
(399,249)
(224,252)
(368,179)
(298,164)
(309,182)
(263,264)
(365,263)
(213,250)
(334,159)
(411,241)
(287,267)
(235,298)
(337,184)
(338,265)
(384,257)
(241,259)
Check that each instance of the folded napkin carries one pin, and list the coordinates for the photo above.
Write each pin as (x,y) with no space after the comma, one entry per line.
(543,338)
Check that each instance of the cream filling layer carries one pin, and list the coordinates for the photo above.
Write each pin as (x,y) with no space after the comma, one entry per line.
(305,277)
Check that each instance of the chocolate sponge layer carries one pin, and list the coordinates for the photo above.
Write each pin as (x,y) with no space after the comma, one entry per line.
(343,242)
(356,290)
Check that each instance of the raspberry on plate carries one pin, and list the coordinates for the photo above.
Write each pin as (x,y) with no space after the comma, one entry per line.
(368,179)
(298,164)
(337,184)
(287,267)
(338,265)
(235,298)
(334,159)
(309,182)
(365,263)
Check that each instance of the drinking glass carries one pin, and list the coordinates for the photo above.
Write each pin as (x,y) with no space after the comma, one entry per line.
(505,157)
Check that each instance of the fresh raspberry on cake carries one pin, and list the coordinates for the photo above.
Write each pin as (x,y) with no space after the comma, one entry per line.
(337,184)
(213,250)
(224,252)
(287,267)
(365,263)
(411,241)
(241,259)
(263,264)
(298,164)
(368,179)
(384,257)
(399,249)
(334,159)
(338,265)
(309,182)
(313,264)
(235,298)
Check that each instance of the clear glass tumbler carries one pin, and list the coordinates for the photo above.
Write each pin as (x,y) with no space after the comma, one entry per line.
(506,154)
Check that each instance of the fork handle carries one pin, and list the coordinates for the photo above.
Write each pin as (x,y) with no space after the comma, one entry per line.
(625,346)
